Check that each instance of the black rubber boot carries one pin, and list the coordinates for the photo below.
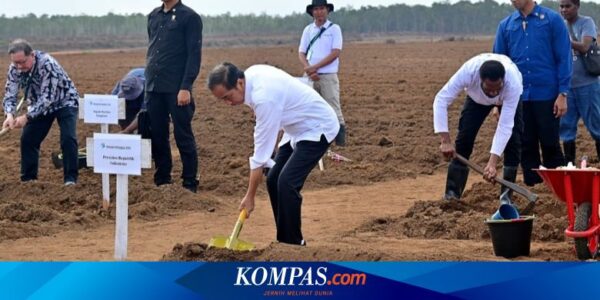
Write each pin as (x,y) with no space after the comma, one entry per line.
(191,185)
(570,152)
(456,180)
(510,174)
(340,139)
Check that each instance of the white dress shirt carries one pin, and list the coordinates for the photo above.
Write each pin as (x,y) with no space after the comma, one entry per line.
(467,78)
(322,47)
(281,101)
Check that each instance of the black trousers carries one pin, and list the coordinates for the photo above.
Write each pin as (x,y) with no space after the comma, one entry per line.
(541,131)
(284,182)
(36,130)
(472,117)
(160,107)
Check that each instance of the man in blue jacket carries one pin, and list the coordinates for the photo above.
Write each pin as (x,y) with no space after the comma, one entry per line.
(537,41)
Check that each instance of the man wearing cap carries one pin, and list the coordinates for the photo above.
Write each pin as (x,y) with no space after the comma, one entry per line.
(319,51)
(51,95)
(172,65)
(131,88)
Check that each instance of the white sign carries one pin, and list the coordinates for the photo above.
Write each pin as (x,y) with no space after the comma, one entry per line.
(117,154)
(101,109)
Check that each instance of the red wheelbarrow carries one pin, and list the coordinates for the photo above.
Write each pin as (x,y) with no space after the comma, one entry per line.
(580,190)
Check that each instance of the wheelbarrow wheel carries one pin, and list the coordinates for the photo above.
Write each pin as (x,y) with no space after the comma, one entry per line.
(583,245)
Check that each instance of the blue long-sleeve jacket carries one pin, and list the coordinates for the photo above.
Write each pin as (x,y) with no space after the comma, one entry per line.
(541,48)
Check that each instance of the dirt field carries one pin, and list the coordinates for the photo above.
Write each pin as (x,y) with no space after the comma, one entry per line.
(384,205)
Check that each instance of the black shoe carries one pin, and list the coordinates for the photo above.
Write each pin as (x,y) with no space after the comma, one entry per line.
(163,182)
(451,196)
(192,186)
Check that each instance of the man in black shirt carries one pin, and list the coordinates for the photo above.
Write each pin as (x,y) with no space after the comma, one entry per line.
(172,65)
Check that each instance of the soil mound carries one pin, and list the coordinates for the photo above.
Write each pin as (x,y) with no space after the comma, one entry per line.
(41,208)
(195,251)
(464,220)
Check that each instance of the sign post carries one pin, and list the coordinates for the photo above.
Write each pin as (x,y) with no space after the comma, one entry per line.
(124,155)
(103,110)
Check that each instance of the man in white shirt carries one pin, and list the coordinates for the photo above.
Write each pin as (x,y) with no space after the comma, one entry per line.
(490,80)
(319,51)
(279,102)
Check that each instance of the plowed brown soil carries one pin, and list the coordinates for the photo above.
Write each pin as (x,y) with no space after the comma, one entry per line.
(384,205)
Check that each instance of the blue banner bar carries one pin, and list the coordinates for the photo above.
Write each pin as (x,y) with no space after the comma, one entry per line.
(339,280)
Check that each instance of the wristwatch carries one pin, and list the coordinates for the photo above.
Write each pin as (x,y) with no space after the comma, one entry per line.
(564,94)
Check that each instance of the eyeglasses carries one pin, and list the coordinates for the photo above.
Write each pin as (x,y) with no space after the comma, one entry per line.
(22,62)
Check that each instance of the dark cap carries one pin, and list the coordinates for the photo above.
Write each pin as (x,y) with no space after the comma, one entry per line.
(131,87)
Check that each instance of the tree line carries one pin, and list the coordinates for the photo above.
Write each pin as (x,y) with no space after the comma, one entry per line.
(461,18)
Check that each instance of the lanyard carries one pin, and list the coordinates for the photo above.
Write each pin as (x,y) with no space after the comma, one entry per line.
(314,39)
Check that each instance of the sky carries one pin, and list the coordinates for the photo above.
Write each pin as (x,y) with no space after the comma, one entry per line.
(204,7)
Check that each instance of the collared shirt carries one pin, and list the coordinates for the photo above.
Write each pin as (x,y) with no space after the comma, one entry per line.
(174,52)
(50,89)
(467,79)
(281,101)
(322,47)
(540,46)
(583,27)
(137,103)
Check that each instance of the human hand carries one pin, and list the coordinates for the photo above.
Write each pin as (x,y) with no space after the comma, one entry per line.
(248,204)
(314,77)
(489,172)
(560,106)
(20,122)
(310,70)
(447,150)
(9,122)
(183,97)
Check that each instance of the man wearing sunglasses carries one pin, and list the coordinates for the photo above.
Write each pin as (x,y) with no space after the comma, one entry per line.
(490,80)
(50,95)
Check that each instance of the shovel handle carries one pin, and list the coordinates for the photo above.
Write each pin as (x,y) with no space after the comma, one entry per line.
(511,185)
(238,225)
(243,215)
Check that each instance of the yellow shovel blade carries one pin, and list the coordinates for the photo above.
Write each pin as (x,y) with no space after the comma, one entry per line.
(232,242)
(238,245)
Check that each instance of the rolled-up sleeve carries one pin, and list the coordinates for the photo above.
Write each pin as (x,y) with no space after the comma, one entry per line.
(268,123)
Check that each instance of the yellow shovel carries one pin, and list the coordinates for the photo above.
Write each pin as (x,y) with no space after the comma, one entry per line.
(232,242)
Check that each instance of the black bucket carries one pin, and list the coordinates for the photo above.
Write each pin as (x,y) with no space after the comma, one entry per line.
(511,238)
